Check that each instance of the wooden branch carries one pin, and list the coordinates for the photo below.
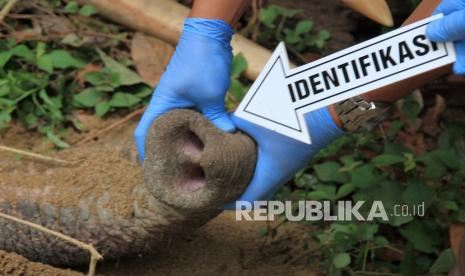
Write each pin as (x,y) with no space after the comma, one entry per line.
(6,9)
(35,156)
(112,126)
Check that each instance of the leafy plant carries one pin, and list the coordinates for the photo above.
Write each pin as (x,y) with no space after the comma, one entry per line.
(238,87)
(378,166)
(42,83)
(277,23)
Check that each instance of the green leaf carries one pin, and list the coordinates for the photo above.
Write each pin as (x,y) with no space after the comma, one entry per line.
(87,10)
(286,11)
(127,76)
(267,16)
(386,160)
(72,7)
(73,40)
(5,118)
(40,49)
(88,98)
(341,260)
(30,119)
(451,205)
(238,89)
(410,107)
(394,128)
(329,172)
(389,193)
(381,241)
(409,163)
(449,158)
(5,57)
(444,262)
(345,190)
(435,169)
(304,26)
(323,192)
(324,35)
(47,100)
(105,78)
(143,92)
(418,193)
(421,237)
(292,37)
(239,65)
(45,63)
(53,137)
(364,176)
(349,163)
(62,59)
(305,180)
(121,99)
(24,52)
(102,108)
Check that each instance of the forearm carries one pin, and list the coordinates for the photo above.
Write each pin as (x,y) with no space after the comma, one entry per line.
(396,91)
(228,10)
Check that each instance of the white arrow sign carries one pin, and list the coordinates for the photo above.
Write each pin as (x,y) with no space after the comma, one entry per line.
(280,97)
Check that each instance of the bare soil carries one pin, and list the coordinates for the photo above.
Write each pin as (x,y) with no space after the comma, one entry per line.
(15,265)
(225,246)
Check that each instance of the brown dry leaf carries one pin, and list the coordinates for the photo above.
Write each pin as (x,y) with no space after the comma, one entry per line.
(457,241)
(80,77)
(310,57)
(21,36)
(54,25)
(150,56)
(415,142)
(389,254)
(89,121)
(431,117)
(456,232)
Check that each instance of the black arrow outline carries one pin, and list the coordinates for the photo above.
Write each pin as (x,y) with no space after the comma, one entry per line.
(342,92)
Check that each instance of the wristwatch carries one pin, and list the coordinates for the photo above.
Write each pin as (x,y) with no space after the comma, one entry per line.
(358,115)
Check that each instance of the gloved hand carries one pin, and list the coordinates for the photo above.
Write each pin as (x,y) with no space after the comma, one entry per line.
(198,76)
(281,157)
(451,28)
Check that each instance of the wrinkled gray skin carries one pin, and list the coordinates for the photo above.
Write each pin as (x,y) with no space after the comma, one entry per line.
(164,206)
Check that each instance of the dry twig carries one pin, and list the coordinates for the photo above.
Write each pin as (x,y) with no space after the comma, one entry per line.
(101,132)
(35,156)
(6,9)
(95,256)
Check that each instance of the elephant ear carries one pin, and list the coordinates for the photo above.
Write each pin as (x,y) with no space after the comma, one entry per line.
(376,10)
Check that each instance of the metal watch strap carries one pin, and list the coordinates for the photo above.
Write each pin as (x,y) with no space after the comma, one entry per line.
(358,115)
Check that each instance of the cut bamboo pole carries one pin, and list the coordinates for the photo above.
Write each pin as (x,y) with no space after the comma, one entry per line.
(376,10)
(164,19)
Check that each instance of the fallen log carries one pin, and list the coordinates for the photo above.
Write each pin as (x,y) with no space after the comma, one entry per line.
(164,19)
(191,170)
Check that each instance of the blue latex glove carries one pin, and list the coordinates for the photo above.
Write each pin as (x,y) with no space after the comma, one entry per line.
(281,157)
(451,28)
(198,76)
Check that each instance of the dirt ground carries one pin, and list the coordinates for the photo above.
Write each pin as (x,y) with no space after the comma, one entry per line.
(224,247)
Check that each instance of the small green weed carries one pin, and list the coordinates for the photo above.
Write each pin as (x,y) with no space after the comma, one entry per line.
(43,82)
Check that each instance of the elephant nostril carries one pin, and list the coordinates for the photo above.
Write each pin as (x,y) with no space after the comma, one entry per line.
(192,146)
(194,178)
